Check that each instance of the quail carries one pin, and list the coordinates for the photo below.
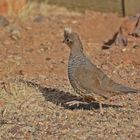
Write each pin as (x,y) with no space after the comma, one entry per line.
(90,82)
(136,30)
(121,39)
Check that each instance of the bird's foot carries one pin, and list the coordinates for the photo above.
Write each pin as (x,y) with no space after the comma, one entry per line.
(101,108)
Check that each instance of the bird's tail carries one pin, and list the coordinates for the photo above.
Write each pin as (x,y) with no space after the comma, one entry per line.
(124,89)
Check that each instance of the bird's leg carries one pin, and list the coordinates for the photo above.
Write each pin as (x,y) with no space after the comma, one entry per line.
(101,108)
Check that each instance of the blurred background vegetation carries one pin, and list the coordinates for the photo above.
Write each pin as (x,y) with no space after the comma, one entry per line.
(26,7)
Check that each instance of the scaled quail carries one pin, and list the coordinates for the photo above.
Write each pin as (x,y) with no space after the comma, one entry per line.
(86,79)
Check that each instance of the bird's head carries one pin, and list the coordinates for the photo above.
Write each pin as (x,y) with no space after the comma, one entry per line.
(72,39)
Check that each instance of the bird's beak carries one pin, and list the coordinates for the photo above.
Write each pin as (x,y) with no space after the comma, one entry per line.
(63,41)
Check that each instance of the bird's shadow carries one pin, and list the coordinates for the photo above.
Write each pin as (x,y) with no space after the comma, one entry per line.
(61,98)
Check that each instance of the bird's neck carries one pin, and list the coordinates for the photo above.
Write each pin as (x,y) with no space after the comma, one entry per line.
(77,49)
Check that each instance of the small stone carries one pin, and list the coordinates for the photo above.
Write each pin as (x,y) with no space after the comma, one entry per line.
(29,50)
(3,21)
(105,67)
(28,28)
(124,50)
(48,58)
(39,18)
(16,34)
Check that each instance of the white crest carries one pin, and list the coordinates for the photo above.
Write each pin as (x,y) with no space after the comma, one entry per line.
(68,30)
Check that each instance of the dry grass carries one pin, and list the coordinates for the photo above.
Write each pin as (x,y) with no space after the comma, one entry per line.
(25,8)
(38,113)
(34,8)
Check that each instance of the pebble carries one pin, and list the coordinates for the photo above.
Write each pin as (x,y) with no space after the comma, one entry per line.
(39,18)
(3,21)
(124,50)
(16,34)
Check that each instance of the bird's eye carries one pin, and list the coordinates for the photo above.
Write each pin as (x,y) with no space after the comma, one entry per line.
(67,40)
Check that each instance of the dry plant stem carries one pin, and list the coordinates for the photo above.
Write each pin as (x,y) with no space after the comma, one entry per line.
(6,87)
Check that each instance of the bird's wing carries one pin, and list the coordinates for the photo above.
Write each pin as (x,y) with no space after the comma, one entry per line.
(109,85)
(89,79)
(93,80)
(97,81)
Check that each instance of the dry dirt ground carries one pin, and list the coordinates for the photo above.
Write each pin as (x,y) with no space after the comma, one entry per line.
(33,50)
